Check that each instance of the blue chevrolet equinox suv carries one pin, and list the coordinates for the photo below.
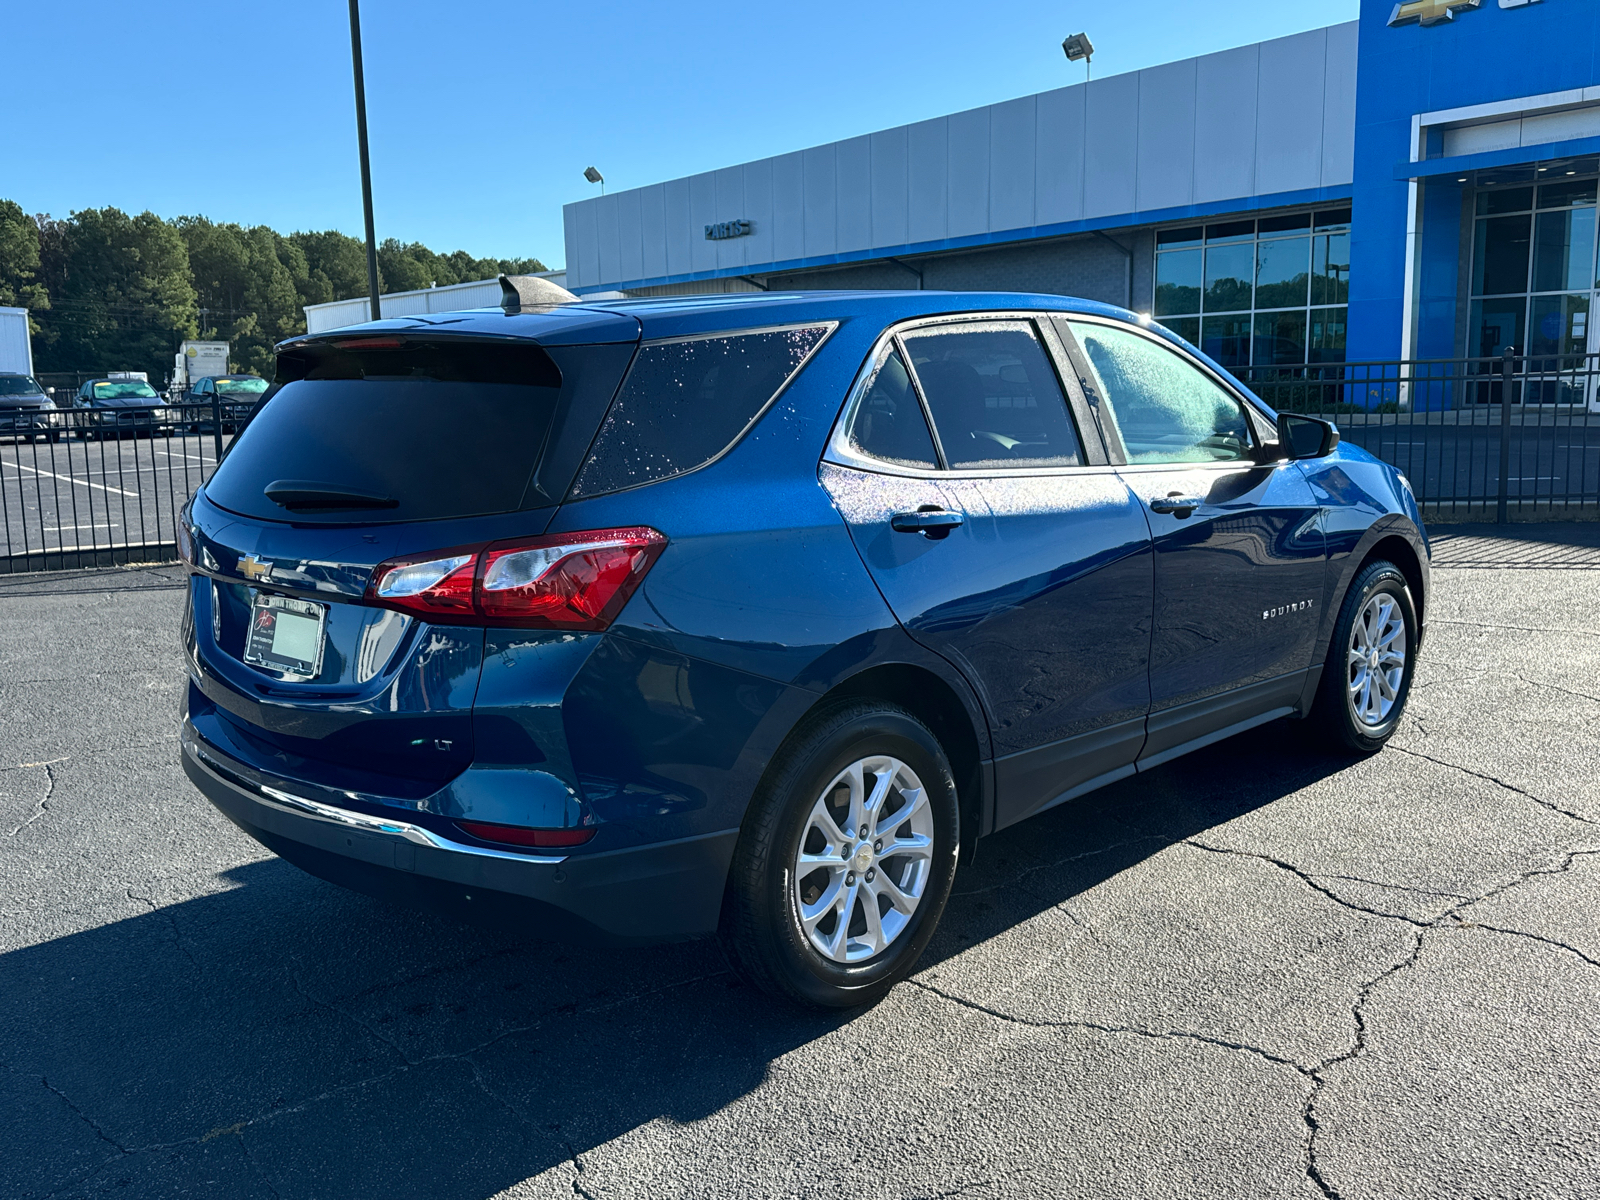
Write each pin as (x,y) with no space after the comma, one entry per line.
(749,615)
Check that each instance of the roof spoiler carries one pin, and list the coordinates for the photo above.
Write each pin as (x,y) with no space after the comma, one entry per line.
(521,292)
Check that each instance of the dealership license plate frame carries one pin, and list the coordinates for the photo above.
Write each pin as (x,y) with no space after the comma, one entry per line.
(261,648)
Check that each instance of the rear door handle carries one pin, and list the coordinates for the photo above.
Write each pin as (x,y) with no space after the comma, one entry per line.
(930,523)
(1177,504)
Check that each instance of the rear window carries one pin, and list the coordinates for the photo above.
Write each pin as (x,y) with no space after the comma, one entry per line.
(688,400)
(18,385)
(437,431)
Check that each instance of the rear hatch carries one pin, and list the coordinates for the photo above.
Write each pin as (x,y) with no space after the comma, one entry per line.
(396,439)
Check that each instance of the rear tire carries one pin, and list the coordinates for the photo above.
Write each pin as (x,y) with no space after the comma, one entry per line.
(1371,660)
(796,921)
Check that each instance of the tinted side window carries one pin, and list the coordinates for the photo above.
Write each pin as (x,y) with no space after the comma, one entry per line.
(993,396)
(889,424)
(685,402)
(1166,410)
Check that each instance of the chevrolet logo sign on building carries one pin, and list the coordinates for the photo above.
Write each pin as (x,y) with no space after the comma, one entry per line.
(1433,12)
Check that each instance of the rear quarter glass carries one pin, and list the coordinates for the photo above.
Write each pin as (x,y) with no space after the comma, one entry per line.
(688,400)
(471,429)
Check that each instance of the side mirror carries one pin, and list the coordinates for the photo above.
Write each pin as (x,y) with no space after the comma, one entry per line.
(1306,437)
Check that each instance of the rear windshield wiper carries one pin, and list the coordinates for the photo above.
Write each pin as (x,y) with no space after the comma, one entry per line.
(299,494)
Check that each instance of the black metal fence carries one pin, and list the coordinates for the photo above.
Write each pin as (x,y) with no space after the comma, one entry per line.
(1469,455)
(97,487)
(88,487)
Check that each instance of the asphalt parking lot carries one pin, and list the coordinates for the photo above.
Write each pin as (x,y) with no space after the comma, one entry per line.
(1259,971)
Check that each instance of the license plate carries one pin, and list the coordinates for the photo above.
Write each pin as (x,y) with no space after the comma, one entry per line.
(286,635)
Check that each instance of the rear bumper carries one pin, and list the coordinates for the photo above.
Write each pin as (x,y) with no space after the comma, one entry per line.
(662,892)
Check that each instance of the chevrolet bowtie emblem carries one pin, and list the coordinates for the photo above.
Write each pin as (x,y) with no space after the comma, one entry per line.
(254,568)
(1428,12)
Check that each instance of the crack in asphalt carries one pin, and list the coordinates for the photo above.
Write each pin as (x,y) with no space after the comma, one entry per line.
(84,1117)
(1315,1074)
(1558,688)
(239,1128)
(42,805)
(1018,877)
(1510,787)
(1514,628)
(165,911)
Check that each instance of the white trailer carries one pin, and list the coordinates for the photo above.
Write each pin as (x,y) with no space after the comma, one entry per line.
(16,348)
(485,293)
(194,361)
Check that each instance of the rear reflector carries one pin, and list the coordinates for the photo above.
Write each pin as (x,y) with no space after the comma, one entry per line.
(574,581)
(518,835)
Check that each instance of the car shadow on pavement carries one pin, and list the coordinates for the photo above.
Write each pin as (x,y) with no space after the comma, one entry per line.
(280,1036)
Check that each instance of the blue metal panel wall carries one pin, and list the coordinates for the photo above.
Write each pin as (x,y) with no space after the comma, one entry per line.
(1245,129)
(1058,157)
(758,247)
(822,201)
(1440,258)
(1225,124)
(890,210)
(853,218)
(968,173)
(1166,135)
(788,207)
(929,143)
(653,229)
(1111,146)
(1483,55)
(1013,143)
(1289,132)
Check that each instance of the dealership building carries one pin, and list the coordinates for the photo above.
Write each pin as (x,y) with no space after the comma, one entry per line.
(1418,183)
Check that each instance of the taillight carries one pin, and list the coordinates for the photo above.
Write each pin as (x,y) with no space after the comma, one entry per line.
(521,835)
(564,581)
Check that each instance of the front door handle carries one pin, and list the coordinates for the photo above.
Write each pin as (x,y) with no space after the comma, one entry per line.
(932,523)
(1177,504)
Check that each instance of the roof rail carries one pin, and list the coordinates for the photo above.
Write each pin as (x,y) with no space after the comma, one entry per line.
(519,292)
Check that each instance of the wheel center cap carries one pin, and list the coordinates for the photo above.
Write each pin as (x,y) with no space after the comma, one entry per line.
(862,858)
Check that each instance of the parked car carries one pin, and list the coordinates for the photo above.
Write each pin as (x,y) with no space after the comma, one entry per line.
(26,410)
(110,408)
(235,394)
(750,616)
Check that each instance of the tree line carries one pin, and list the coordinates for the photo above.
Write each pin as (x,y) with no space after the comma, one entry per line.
(112,292)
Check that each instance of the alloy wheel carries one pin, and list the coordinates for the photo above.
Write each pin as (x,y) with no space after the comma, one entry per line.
(1376,661)
(864,859)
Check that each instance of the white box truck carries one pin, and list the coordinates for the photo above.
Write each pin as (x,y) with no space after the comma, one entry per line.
(16,348)
(194,361)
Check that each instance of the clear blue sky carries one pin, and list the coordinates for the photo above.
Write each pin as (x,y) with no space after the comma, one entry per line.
(483,115)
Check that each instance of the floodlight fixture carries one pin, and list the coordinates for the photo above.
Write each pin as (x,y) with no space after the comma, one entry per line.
(594,176)
(1079,46)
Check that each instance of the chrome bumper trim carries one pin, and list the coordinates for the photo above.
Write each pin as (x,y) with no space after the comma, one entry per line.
(345,818)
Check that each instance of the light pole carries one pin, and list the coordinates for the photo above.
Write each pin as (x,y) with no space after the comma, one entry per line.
(594,176)
(1075,47)
(366,168)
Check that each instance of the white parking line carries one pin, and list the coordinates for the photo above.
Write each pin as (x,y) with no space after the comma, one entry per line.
(80,482)
(85,525)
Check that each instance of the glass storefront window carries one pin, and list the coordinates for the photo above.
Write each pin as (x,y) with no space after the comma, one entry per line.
(1259,291)
(1560,325)
(1178,282)
(1500,255)
(1229,270)
(1533,278)
(1227,338)
(1282,272)
(1280,338)
(1325,340)
(1330,269)
(1563,249)
(1496,324)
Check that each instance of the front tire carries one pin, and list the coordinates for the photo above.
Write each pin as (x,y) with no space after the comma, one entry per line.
(846,859)
(1371,661)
